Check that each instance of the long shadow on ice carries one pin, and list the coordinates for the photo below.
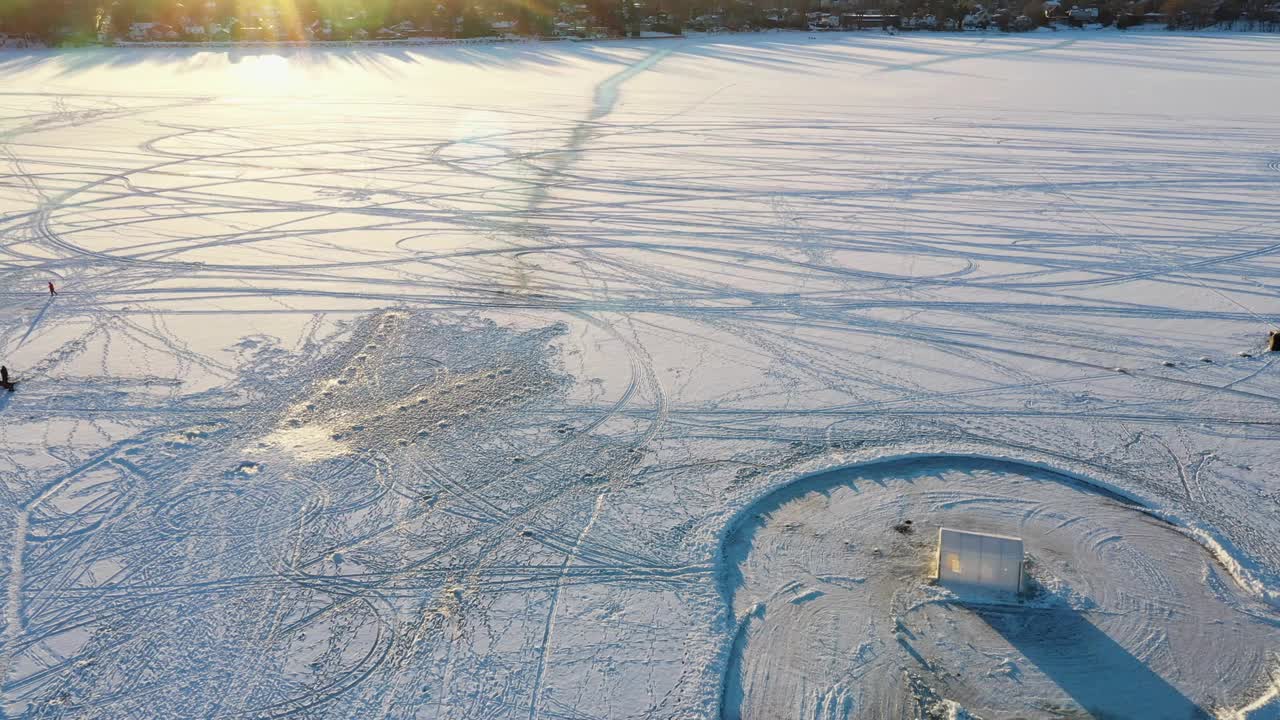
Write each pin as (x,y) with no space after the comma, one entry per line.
(1099,674)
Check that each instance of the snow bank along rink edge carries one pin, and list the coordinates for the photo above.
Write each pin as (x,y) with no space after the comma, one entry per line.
(808,679)
(412,383)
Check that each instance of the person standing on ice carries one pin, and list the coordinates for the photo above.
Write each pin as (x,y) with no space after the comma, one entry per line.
(4,379)
(52,292)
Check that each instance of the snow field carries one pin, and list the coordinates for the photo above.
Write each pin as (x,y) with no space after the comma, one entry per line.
(427,383)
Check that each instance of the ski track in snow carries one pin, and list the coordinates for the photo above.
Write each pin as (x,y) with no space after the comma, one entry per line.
(417,383)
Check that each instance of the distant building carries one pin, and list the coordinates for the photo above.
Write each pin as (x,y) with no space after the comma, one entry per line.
(925,22)
(143,31)
(859,21)
(1083,15)
(977,19)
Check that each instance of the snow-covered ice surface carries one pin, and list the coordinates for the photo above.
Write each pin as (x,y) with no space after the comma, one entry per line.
(516,381)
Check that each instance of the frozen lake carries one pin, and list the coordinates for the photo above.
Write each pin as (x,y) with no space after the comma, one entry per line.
(471,382)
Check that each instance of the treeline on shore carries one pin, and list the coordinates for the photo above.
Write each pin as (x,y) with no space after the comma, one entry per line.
(105,21)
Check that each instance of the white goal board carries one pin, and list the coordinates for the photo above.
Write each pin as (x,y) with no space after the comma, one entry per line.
(979,560)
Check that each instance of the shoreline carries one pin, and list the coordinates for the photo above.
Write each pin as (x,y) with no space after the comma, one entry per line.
(439,41)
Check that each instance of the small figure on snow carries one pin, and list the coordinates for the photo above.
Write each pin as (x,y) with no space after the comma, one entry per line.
(52,292)
(4,379)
